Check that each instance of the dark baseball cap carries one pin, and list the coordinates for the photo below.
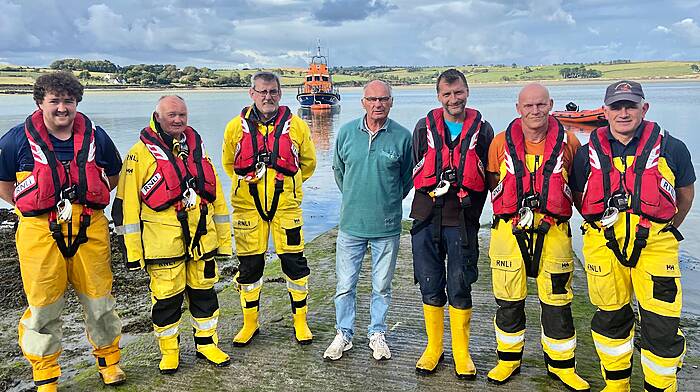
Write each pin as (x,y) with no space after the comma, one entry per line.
(624,90)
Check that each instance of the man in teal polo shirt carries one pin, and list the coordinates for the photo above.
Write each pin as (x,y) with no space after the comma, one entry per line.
(373,167)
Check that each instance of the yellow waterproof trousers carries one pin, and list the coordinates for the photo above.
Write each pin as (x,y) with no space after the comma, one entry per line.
(655,282)
(45,276)
(509,281)
(170,283)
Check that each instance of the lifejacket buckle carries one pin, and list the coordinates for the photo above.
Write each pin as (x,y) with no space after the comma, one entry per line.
(189,199)
(260,169)
(531,201)
(69,193)
(442,187)
(619,201)
(449,175)
(64,210)
(526,217)
(264,158)
(610,216)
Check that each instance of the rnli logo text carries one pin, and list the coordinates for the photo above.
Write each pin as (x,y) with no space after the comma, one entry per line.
(593,268)
(504,263)
(243,223)
(670,267)
(151,183)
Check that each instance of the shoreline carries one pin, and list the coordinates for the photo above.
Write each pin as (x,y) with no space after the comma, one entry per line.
(27,89)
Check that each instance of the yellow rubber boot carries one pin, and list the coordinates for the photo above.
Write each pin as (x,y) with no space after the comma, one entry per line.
(50,387)
(298,294)
(503,371)
(510,353)
(211,351)
(571,380)
(250,303)
(459,328)
(170,354)
(107,359)
(112,375)
(434,328)
(617,385)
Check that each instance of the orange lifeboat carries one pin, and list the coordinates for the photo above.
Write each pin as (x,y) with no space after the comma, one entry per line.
(573,115)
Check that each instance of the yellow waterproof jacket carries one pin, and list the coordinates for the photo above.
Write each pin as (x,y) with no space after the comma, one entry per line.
(157,237)
(291,197)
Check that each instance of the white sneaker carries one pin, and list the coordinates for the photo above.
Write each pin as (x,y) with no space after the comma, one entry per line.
(338,346)
(377,343)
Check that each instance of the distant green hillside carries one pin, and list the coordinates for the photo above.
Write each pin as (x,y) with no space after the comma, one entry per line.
(159,76)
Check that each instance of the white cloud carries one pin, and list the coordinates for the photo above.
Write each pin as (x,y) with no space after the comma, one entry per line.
(662,29)
(688,29)
(593,31)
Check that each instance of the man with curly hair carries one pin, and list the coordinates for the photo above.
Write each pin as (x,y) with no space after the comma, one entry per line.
(57,168)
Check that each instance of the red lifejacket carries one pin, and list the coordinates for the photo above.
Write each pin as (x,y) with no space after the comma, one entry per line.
(275,149)
(551,192)
(653,196)
(173,176)
(84,182)
(464,160)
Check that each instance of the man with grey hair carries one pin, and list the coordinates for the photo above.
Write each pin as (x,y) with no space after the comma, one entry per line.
(634,185)
(171,217)
(268,153)
(372,180)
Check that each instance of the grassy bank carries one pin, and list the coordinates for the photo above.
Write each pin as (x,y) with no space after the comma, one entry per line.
(17,79)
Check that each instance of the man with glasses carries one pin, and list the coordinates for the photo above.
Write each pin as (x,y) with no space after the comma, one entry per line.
(450,146)
(268,153)
(372,166)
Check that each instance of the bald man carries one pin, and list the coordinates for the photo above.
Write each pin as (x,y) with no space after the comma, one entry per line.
(172,219)
(528,168)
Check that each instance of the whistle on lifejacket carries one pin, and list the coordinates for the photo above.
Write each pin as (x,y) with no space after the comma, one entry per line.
(189,199)
(526,217)
(610,216)
(442,187)
(260,169)
(64,211)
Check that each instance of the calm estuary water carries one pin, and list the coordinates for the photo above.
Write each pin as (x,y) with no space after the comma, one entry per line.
(124,114)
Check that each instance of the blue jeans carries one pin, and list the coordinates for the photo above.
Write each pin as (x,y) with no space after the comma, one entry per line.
(349,252)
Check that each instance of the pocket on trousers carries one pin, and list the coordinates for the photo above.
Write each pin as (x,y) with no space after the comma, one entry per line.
(245,227)
(601,283)
(665,288)
(508,278)
(292,230)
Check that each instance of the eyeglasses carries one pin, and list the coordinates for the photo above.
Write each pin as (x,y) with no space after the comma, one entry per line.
(273,93)
(375,99)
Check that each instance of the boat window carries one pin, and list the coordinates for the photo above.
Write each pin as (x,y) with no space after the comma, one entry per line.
(317,78)
(324,78)
(308,78)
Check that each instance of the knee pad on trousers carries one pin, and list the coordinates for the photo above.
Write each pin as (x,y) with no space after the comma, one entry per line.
(203,303)
(557,321)
(250,269)
(294,265)
(510,316)
(167,311)
(661,335)
(614,324)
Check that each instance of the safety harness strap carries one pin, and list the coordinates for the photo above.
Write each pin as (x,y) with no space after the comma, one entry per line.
(69,249)
(524,238)
(640,242)
(279,187)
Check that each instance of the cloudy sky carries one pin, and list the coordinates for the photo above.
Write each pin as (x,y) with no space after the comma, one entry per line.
(271,33)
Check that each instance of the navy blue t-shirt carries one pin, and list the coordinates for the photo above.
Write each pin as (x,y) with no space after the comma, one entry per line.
(675,151)
(16,155)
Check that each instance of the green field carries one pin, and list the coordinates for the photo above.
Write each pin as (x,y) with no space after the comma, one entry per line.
(399,75)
